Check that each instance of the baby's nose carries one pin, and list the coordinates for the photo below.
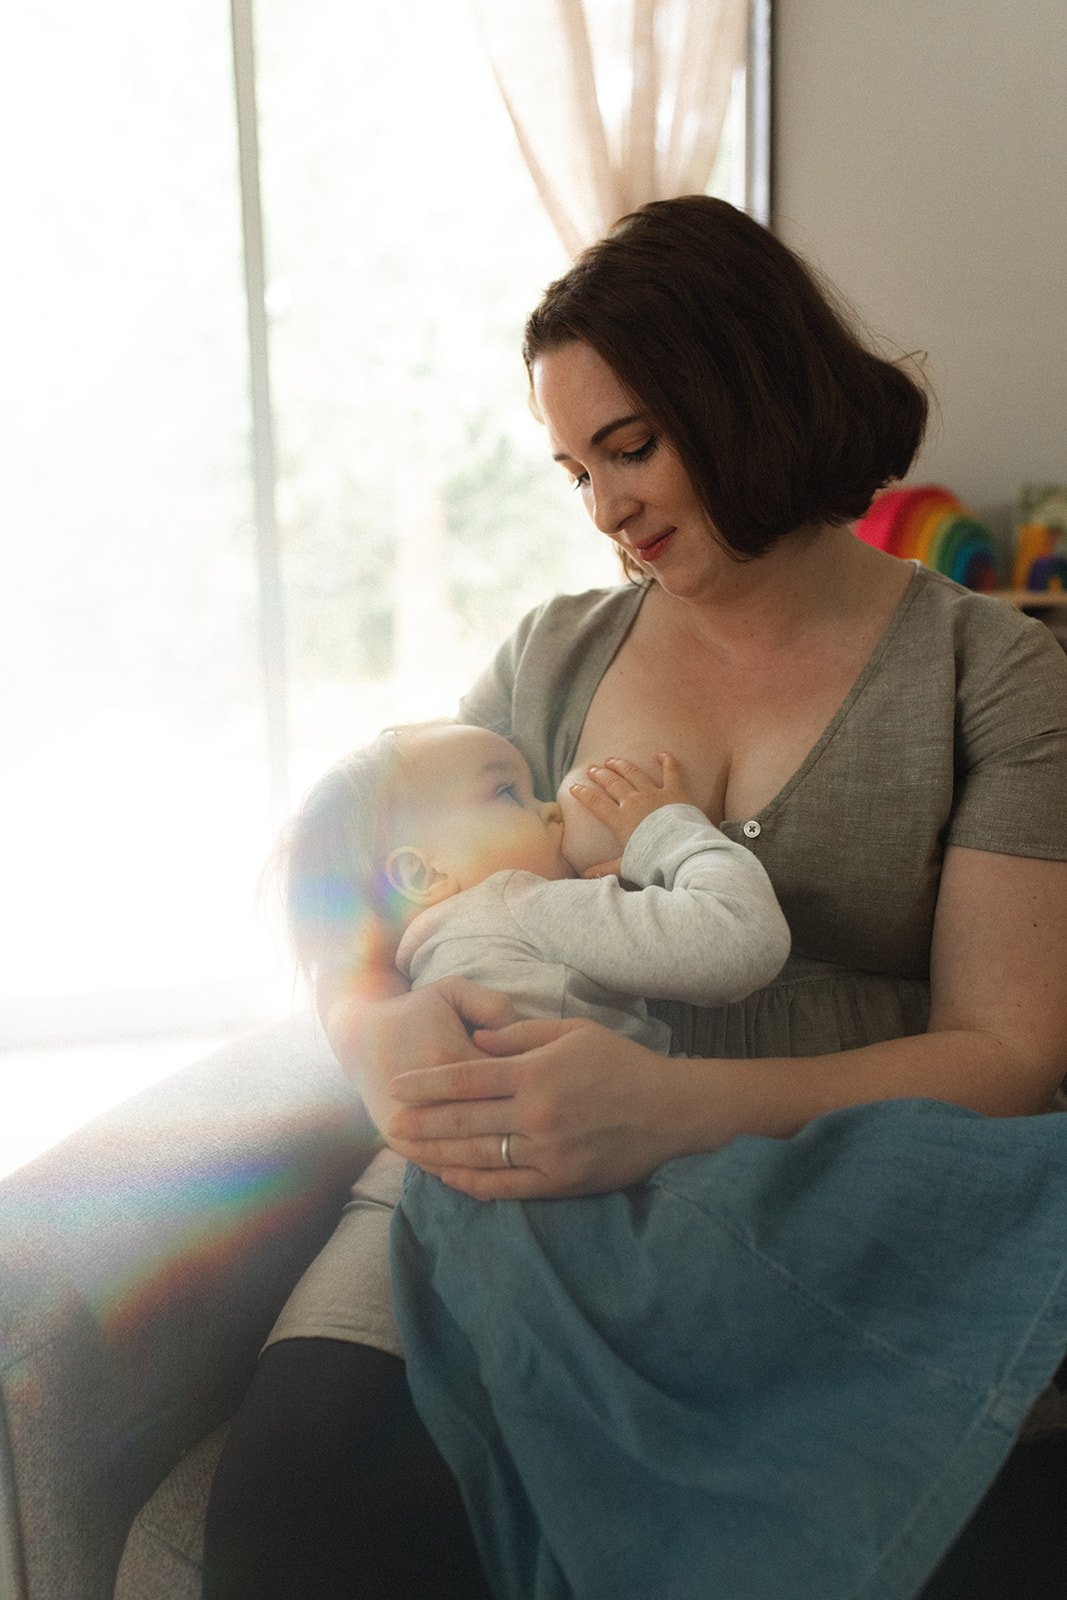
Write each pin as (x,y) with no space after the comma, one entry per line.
(551,812)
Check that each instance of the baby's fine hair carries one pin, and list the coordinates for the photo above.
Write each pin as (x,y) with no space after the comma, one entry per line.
(338,903)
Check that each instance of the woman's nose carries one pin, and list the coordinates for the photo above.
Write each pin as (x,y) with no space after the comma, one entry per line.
(611,509)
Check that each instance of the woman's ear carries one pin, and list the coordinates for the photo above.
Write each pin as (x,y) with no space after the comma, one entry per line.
(412,874)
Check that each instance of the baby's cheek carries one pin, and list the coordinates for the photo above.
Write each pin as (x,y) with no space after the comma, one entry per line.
(586,841)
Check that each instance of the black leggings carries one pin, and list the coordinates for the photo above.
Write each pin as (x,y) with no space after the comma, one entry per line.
(1015,1545)
(329,1486)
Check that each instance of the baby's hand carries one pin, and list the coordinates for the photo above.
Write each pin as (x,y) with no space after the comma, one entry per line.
(621,794)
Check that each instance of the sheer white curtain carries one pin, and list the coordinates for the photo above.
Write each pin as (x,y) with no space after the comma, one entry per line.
(614,102)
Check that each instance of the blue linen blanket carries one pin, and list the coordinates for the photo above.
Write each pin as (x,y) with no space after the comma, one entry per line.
(790,1368)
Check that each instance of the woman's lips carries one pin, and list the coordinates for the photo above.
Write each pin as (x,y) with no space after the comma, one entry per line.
(655,547)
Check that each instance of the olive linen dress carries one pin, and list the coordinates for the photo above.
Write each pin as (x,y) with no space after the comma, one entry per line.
(955,732)
(800,1362)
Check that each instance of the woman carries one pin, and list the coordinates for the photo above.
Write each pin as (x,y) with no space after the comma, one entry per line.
(893,749)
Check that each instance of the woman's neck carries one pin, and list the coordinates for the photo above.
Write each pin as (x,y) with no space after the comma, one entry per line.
(809,581)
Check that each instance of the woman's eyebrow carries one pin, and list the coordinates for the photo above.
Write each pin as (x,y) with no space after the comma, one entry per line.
(602,433)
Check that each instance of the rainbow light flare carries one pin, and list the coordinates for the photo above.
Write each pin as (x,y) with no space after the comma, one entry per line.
(144,1228)
(200,1224)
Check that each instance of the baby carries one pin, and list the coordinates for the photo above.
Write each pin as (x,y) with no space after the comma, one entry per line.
(432,842)
(433,838)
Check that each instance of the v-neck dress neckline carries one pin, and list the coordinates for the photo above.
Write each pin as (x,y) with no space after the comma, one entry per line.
(599,662)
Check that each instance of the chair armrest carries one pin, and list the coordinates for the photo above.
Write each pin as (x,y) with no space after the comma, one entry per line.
(142,1263)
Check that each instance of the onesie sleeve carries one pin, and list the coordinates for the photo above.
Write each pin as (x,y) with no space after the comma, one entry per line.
(1011,749)
(702,927)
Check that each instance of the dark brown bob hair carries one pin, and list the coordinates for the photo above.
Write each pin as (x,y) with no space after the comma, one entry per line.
(781,415)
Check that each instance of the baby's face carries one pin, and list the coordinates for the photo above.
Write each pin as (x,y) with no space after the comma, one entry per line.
(477,812)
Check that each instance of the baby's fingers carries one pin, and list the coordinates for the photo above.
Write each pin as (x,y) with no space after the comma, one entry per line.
(619,778)
(670,775)
(645,780)
(596,800)
(605,869)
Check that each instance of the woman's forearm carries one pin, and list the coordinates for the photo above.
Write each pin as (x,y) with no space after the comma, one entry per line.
(379,1028)
(589,1110)
(715,1100)
(339,994)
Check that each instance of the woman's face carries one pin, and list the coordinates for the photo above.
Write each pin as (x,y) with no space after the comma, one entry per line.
(632,482)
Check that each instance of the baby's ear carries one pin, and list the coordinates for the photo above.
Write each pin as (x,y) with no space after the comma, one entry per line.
(413,875)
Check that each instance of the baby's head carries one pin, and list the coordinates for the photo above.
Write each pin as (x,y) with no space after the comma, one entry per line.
(410,820)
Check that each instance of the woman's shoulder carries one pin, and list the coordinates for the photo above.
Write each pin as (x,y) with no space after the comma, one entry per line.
(544,672)
(966,608)
(591,609)
(982,630)
(565,625)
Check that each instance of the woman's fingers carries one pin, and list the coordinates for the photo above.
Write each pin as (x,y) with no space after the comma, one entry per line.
(531,1034)
(476,1167)
(481,1078)
(477,1006)
(572,1098)
(481,1153)
(469,1099)
(451,1119)
(477,1079)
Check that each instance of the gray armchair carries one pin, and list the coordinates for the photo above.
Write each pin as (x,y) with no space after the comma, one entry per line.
(142,1263)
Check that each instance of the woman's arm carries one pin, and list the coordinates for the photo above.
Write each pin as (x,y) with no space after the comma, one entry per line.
(377,1028)
(590,1112)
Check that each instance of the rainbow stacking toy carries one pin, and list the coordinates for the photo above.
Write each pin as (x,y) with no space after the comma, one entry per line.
(932,525)
(1041,541)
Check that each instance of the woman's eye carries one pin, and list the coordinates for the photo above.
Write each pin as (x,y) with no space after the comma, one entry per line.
(642,452)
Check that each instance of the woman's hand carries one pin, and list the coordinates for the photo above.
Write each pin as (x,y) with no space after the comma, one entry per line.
(587,1110)
(374,1039)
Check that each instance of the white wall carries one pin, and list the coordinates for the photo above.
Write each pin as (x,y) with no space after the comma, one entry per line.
(920,155)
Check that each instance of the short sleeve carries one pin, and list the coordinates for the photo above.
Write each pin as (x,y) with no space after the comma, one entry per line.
(1011,748)
(537,688)
(488,702)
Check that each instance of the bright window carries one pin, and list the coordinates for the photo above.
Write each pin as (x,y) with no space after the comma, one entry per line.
(418,516)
